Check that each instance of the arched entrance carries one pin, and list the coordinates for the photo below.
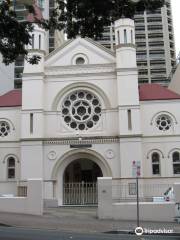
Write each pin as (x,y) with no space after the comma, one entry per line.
(80,182)
(69,157)
(82,170)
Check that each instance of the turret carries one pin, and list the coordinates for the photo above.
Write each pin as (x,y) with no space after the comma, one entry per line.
(33,81)
(127,77)
(125,43)
(128,95)
(37,46)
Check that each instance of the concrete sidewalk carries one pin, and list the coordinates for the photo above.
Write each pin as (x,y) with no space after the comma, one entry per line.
(77,219)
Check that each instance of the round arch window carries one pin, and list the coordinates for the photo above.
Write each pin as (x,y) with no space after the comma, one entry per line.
(81,110)
(80,61)
(163,122)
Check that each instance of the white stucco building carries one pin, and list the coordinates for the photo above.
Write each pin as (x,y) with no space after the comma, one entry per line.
(81,115)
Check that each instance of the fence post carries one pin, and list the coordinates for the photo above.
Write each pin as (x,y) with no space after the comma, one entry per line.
(35,196)
(105,197)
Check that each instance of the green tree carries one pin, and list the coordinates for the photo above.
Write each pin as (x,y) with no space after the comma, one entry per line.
(86,18)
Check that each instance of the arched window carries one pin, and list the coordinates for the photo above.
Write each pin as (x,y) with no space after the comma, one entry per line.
(11,168)
(176,162)
(132,36)
(39,41)
(155,163)
(80,61)
(119,40)
(32,41)
(125,36)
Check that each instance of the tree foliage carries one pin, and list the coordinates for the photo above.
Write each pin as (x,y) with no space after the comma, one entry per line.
(86,18)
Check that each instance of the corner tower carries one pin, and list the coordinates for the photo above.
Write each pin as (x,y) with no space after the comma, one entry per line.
(33,81)
(128,97)
(127,77)
(32,127)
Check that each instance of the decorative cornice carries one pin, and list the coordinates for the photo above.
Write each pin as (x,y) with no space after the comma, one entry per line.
(75,141)
(165,136)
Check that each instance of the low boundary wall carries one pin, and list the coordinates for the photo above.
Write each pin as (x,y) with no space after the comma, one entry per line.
(149,211)
(32,204)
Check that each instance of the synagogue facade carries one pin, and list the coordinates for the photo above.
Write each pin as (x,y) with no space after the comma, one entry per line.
(81,115)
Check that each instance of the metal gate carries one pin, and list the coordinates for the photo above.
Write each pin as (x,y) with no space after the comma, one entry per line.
(80,193)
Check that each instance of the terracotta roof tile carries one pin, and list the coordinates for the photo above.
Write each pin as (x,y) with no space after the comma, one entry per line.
(148,92)
(11,99)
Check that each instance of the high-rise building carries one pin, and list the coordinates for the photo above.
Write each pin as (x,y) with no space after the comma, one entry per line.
(154,40)
(155,44)
(54,38)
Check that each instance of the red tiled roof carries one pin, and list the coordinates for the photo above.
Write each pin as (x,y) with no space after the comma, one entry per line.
(148,92)
(11,99)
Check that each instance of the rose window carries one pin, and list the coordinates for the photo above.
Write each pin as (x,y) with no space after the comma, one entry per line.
(164,122)
(4,129)
(81,110)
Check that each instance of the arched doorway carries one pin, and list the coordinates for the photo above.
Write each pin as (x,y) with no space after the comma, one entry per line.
(80,182)
(69,157)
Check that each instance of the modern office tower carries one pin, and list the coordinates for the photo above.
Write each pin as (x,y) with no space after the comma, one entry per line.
(54,38)
(6,77)
(155,44)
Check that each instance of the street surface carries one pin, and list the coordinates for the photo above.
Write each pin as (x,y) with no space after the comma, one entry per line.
(11,233)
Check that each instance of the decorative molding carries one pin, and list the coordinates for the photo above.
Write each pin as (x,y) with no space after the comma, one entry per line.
(85,86)
(83,141)
(161,136)
(155,150)
(110,154)
(52,155)
(173,150)
(80,69)
(11,155)
(79,55)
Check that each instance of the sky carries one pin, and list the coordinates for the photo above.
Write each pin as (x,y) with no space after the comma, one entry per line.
(176,21)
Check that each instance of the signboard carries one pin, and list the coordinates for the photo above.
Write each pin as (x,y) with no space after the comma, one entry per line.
(136,169)
(80,145)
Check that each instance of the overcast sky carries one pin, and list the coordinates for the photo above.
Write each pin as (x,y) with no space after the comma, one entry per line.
(176,20)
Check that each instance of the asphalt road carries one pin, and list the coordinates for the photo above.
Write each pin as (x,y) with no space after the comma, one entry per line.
(11,233)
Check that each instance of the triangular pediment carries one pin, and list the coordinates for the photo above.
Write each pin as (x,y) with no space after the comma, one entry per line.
(89,50)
